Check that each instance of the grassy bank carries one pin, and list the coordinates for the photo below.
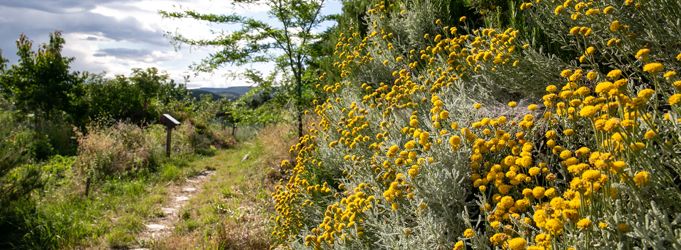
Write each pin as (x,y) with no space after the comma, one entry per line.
(60,216)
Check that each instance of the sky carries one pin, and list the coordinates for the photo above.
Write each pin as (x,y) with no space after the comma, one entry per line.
(114,36)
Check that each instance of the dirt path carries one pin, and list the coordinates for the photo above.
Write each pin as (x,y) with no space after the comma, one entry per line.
(179,194)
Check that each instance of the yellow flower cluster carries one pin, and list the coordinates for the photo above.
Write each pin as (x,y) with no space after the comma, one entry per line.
(540,172)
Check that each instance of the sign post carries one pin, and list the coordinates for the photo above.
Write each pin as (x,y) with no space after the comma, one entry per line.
(170,123)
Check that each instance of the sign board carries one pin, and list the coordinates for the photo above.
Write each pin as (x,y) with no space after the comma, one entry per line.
(169,121)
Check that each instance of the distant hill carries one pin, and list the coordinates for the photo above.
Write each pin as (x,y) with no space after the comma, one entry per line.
(231,93)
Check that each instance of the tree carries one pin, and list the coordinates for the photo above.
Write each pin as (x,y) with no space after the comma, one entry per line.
(149,83)
(136,98)
(41,81)
(257,41)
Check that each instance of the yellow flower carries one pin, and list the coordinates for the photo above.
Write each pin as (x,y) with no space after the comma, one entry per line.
(566,73)
(462,19)
(591,76)
(558,10)
(669,74)
(565,154)
(642,54)
(477,105)
(608,10)
(525,6)
(649,134)
(512,104)
(459,245)
(538,192)
(603,87)
(532,107)
(675,99)
(615,26)
(584,223)
(455,141)
(554,226)
(534,171)
(517,244)
(468,233)
(614,74)
(590,50)
(653,68)
(588,111)
(642,178)
(551,88)
(498,238)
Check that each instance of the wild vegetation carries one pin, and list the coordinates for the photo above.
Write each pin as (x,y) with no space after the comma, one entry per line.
(492,124)
(431,124)
(83,158)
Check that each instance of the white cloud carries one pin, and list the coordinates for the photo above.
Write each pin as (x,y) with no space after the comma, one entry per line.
(117,35)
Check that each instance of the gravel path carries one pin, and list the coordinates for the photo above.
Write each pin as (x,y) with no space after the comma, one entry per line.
(160,227)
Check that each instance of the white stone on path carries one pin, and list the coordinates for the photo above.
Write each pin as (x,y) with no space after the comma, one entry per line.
(181,198)
(155,227)
(189,190)
(168,210)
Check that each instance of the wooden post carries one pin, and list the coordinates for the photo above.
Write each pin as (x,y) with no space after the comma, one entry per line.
(170,123)
(169,132)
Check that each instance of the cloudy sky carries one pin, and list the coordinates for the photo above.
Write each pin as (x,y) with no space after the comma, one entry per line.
(114,36)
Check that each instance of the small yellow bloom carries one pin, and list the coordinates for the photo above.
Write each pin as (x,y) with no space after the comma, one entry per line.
(669,74)
(649,134)
(642,178)
(517,244)
(642,54)
(551,88)
(614,74)
(615,26)
(558,10)
(653,68)
(584,223)
(468,233)
(538,192)
(459,245)
(590,51)
(477,105)
(675,99)
(512,104)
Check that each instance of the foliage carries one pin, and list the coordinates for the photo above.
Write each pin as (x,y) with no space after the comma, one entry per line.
(429,136)
(40,82)
(138,98)
(258,41)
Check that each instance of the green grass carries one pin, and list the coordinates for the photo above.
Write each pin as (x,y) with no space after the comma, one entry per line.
(111,217)
(231,210)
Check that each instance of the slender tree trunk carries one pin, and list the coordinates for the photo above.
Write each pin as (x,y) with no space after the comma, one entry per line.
(299,92)
(299,86)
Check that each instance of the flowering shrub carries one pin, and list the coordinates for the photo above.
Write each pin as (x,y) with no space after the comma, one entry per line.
(481,139)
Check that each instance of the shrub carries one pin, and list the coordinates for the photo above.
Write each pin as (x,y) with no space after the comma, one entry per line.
(15,150)
(453,152)
(121,149)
